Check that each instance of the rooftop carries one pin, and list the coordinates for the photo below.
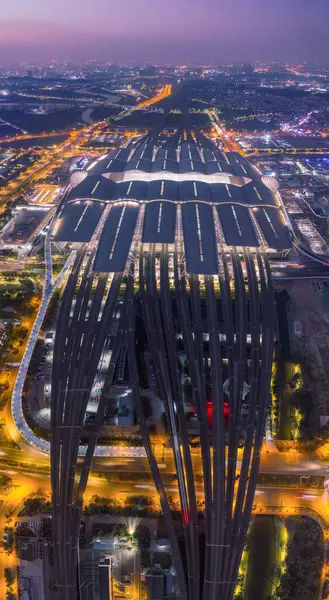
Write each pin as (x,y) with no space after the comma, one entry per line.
(190,193)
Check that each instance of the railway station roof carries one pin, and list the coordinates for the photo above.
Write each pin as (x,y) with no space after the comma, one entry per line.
(222,201)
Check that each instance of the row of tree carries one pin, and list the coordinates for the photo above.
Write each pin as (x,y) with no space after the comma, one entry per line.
(302,578)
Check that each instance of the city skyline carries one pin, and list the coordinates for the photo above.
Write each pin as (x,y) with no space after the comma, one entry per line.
(161,33)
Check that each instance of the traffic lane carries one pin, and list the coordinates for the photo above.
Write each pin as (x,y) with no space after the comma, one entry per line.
(17,461)
(27,483)
(273,463)
(279,463)
(11,266)
(286,501)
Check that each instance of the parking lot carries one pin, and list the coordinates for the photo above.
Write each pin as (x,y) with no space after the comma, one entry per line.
(25,224)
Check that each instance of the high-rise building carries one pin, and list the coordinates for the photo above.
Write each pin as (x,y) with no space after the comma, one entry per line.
(171,277)
(105,579)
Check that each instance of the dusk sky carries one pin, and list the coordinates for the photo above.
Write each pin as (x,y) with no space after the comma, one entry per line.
(192,31)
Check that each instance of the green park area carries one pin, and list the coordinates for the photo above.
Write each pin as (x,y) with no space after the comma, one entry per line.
(284,560)
(262,557)
(289,398)
(302,577)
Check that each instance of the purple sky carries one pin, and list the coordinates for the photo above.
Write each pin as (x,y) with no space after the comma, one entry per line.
(160,31)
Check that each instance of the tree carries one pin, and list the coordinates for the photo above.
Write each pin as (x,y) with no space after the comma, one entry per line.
(23,331)
(4,387)
(36,505)
(140,500)
(304,561)
(5,481)
(9,576)
(142,535)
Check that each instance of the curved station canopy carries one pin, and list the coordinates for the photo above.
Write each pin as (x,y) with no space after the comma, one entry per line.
(187,196)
